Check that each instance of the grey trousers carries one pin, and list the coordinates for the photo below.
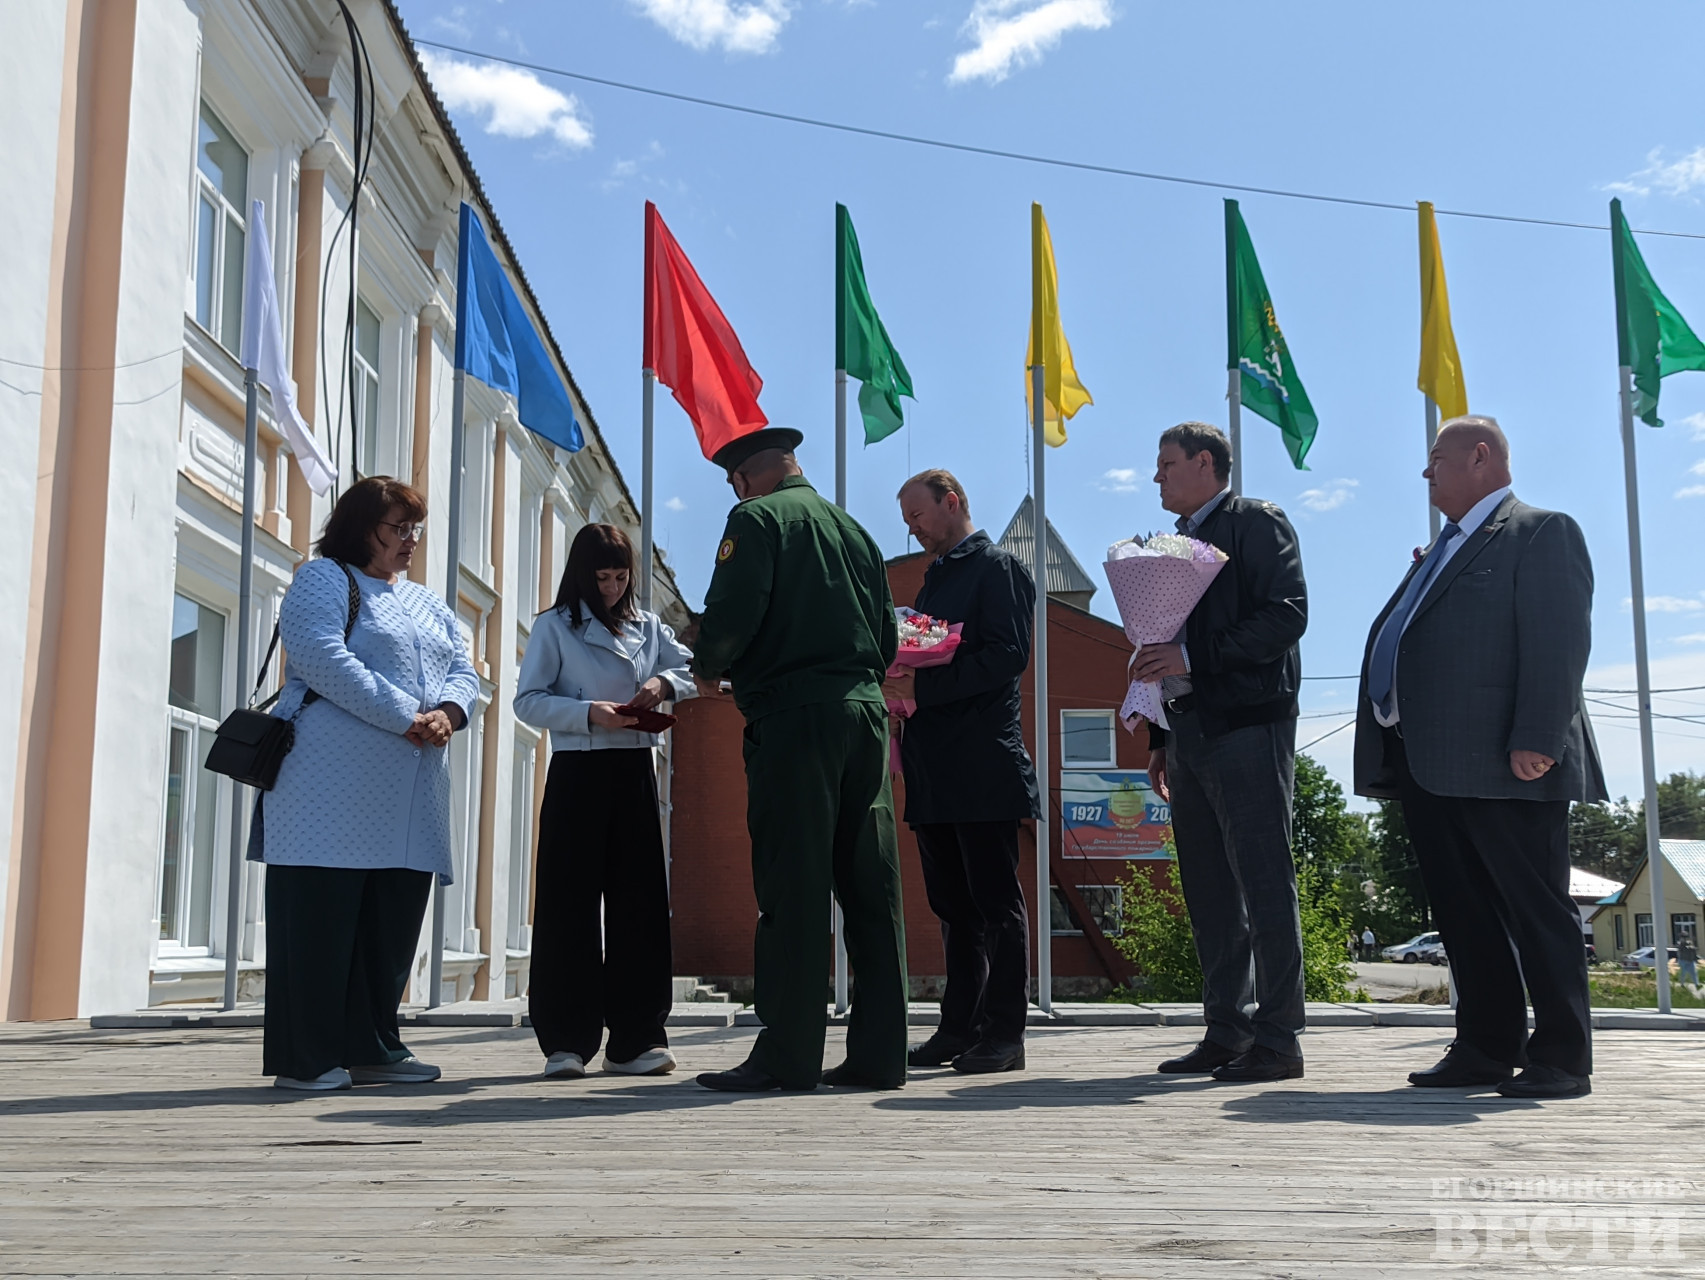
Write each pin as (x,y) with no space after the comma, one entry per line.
(1231,820)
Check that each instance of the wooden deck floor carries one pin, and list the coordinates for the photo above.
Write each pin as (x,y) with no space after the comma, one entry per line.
(164,1154)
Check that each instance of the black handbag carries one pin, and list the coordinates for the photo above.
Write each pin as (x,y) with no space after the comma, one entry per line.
(251,744)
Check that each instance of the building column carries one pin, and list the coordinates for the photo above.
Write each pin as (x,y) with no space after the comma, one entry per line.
(305,333)
(498,632)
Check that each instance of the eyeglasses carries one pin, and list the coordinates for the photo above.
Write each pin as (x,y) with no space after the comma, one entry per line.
(407,532)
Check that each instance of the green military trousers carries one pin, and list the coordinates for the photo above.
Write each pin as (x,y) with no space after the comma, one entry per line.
(821,811)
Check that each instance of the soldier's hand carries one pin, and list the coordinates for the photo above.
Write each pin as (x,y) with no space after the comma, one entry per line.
(707,688)
(902,687)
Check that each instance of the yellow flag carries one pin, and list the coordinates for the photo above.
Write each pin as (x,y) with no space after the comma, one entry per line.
(1441,367)
(1063,394)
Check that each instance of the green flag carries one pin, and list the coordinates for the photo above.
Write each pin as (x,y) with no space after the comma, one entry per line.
(862,347)
(1270,385)
(1651,337)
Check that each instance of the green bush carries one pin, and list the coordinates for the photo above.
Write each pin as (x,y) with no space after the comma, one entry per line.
(1156,938)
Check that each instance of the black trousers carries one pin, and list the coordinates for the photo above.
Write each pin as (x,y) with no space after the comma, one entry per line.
(971,876)
(1497,875)
(1231,818)
(600,846)
(340,943)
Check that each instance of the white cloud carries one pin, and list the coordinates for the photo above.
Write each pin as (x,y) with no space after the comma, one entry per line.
(1668,604)
(675,504)
(1676,177)
(1696,423)
(1119,480)
(735,26)
(1691,491)
(1015,33)
(515,103)
(1698,637)
(1329,497)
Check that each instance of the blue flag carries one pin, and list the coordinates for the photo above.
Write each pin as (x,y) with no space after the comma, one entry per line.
(496,342)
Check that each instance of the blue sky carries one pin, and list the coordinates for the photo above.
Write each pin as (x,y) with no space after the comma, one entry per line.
(1516,108)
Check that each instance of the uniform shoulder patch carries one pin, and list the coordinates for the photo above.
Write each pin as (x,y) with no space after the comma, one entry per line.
(726,551)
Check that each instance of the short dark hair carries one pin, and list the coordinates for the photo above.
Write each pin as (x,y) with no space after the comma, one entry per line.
(366,504)
(595,547)
(1201,437)
(941,483)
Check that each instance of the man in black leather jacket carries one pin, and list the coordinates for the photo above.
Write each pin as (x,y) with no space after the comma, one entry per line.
(1227,762)
(969,779)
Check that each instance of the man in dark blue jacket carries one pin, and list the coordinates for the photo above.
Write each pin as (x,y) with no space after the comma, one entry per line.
(969,779)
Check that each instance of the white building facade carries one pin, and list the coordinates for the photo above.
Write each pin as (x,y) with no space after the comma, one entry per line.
(140,130)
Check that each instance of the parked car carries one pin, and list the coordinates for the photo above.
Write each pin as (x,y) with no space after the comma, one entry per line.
(1644,958)
(1415,950)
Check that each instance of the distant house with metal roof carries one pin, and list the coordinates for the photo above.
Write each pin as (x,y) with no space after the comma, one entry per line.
(1068,581)
(1623,921)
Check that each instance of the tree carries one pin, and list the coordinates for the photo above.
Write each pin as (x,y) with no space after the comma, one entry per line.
(1324,834)
(1610,838)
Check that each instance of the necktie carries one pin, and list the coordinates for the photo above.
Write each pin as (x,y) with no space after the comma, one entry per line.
(1382,666)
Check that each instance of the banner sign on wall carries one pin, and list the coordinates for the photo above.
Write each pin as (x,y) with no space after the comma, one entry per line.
(1113,813)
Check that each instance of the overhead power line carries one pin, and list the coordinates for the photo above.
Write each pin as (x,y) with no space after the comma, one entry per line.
(1000,153)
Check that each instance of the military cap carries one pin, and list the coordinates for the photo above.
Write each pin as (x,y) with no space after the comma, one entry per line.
(737,450)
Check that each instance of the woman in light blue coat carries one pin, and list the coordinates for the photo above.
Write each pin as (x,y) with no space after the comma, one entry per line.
(358,823)
(601,955)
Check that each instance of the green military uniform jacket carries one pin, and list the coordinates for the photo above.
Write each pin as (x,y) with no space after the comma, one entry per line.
(798,609)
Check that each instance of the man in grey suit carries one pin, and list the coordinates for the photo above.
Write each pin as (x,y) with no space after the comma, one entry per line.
(1471,714)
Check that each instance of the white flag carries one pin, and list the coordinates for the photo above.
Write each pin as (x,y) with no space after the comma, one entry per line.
(263,351)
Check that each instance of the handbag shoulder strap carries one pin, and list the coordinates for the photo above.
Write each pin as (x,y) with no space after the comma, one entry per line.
(272,645)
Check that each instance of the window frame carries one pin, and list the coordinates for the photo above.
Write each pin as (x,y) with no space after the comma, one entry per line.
(1111,760)
(1058,899)
(217,325)
(370,389)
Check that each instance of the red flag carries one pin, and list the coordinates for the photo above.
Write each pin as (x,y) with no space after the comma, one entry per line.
(692,348)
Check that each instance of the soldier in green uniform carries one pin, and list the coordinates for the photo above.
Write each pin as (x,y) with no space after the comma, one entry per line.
(798,618)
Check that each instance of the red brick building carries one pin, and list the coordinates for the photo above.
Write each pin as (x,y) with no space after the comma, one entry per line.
(715,912)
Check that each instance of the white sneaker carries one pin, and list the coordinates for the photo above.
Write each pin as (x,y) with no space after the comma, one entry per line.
(562,1065)
(653,1062)
(410,1070)
(336,1078)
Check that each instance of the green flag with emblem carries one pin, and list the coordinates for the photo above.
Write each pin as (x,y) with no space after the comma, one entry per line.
(862,345)
(1256,345)
(1651,337)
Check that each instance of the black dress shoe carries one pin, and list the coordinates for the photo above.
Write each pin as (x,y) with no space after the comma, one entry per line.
(1259,1066)
(1541,1081)
(744,1078)
(989,1056)
(848,1076)
(1463,1066)
(1200,1061)
(939,1050)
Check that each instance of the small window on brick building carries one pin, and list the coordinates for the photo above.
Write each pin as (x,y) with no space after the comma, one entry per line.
(1086,740)
(1104,903)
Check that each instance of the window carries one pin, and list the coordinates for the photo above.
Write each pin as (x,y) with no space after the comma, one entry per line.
(189,847)
(521,841)
(367,386)
(1642,929)
(1105,903)
(1682,923)
(1086,740)
(221,191)
(1621,943)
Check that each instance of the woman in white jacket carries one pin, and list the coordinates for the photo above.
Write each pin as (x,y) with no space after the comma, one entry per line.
(592,655)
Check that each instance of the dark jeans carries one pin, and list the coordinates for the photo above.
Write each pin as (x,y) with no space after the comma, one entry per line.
(600,846)
(820,813)
(340,943)
(1497,876)
(971,875)
(1231,818)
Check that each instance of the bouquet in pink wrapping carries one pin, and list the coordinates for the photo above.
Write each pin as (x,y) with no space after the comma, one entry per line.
(924,642)
(1156,581)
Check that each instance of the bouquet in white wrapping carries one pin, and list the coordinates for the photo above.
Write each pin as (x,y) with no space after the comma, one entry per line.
(1156,581)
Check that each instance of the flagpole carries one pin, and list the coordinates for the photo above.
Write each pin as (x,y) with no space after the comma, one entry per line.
(836,915)
(647,394)
(1234,375)
(1432,436)
(1039,647)
(1643,688)
(245,603)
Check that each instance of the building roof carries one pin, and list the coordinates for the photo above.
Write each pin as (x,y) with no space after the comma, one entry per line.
(1685,857)
(1584,884)
(1065,575)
